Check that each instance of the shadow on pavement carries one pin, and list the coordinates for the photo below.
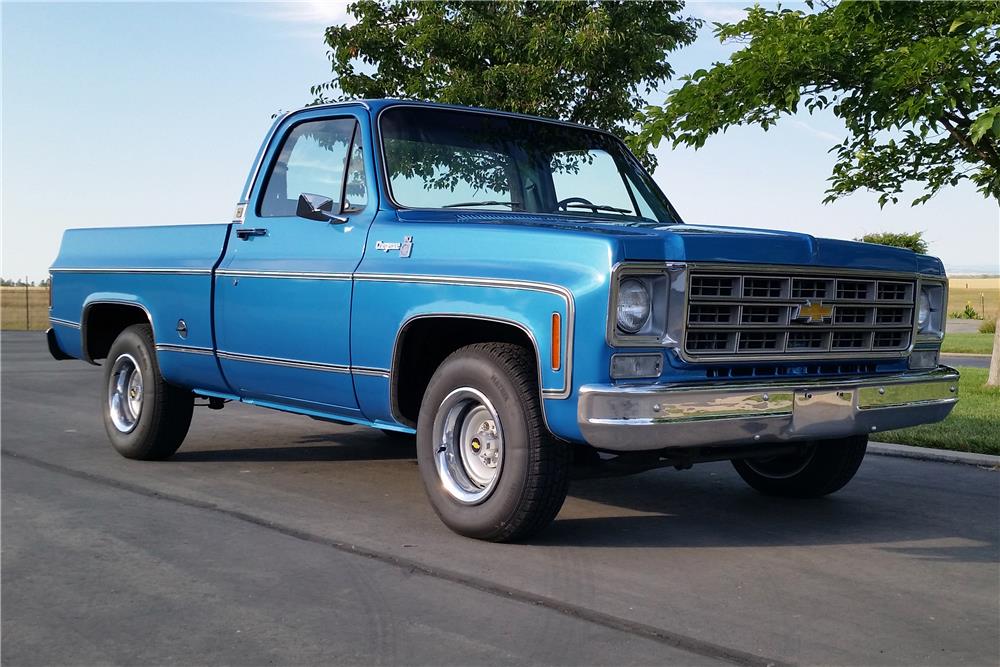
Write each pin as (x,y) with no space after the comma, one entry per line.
(711,507)
(361,446)
(718,511)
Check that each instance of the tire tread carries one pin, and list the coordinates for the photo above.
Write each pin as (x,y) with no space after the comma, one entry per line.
(171,408)
(834,464)
(547,483)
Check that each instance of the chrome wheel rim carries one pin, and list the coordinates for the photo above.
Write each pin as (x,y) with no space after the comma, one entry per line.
(468,445)
(125,393)
(782,467)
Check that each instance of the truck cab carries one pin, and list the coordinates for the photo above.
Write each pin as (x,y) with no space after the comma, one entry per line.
(514,293)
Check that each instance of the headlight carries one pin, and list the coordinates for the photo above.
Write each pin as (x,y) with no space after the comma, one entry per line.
(930,309)
(646,303)
(633,306)
(924,314)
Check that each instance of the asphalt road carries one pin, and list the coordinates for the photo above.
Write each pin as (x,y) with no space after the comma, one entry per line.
(974,360)
(271,538)
(963,326)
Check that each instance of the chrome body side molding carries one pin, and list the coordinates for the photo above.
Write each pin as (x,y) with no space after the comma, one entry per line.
(301,275)
(277,361)
(189,272)
(64,323)
(190,349)
(558,290)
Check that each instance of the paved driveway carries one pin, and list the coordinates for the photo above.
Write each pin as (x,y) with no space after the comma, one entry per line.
(271,538)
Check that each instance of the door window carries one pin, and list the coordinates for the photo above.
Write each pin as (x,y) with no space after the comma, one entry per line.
(356,188)
(312,161)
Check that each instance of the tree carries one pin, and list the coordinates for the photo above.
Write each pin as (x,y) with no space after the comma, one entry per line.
(588,62)
(914,241)
(993,379)
(917,85)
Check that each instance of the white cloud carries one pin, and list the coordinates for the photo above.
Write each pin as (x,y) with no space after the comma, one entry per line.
(315,12)
(719,12)
(822,134)
(731,11)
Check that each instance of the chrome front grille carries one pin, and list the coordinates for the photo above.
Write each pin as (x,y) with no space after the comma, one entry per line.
(796,315)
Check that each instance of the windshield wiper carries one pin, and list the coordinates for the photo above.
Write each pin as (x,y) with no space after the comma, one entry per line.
(490,202)
(597,207)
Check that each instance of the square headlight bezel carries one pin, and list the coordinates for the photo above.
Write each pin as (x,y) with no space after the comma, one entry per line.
(667,282)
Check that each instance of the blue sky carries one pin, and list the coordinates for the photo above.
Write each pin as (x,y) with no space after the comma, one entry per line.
(143,114)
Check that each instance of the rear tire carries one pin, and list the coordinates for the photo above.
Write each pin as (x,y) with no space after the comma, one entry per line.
(145,417)
(490,467)
(821,467)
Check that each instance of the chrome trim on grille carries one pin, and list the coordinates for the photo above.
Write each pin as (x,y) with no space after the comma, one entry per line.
(753,313)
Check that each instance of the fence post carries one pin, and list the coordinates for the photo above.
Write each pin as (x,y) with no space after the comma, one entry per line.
(27,314)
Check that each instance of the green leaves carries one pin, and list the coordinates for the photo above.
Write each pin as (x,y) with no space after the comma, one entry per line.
(588,62)
(916,85)
(987,122)
(912,241)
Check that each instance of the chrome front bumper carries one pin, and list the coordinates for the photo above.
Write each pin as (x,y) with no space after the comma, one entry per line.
(650,417)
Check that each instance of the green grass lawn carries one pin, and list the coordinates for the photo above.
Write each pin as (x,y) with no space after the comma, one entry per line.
(973,426)
(970,343)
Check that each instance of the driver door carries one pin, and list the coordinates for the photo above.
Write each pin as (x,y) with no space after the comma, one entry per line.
(283,290)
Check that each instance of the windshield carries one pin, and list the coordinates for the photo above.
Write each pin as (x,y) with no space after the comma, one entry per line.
(440,158)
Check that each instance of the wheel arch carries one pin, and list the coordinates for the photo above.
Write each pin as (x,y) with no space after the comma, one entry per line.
(103,319)
(440,334)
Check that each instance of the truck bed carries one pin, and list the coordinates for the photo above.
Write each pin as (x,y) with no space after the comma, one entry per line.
(166,271)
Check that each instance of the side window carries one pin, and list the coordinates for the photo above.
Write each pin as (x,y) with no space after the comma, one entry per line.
(591,175)
(312,161)
(356,189)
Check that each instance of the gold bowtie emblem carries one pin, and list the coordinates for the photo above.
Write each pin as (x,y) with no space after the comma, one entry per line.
(814,312)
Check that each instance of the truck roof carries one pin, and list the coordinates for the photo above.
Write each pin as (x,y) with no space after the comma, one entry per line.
(376,105)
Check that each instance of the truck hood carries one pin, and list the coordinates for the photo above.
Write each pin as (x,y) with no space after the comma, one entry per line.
(709,243)
(703,243)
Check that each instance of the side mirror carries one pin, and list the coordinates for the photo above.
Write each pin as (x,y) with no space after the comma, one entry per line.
(317,207)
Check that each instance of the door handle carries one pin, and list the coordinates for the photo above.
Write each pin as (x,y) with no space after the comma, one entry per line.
(246,233)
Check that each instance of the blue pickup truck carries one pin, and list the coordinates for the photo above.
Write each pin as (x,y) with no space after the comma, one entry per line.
(518,293)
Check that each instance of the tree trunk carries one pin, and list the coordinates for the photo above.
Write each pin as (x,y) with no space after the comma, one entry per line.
(994,378)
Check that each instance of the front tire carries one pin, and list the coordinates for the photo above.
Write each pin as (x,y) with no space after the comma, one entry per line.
(819,468)
(145,417)
(490,467)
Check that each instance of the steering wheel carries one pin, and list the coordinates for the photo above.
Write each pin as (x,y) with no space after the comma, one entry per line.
(563,204)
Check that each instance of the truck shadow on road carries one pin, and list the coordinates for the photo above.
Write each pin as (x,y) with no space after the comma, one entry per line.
(685,510)
(933,512)
(361,446)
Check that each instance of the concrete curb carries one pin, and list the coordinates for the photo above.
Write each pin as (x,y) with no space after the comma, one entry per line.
(966,354)
(928,454)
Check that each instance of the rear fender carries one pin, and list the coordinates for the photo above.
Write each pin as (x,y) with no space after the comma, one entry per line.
(91,305)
